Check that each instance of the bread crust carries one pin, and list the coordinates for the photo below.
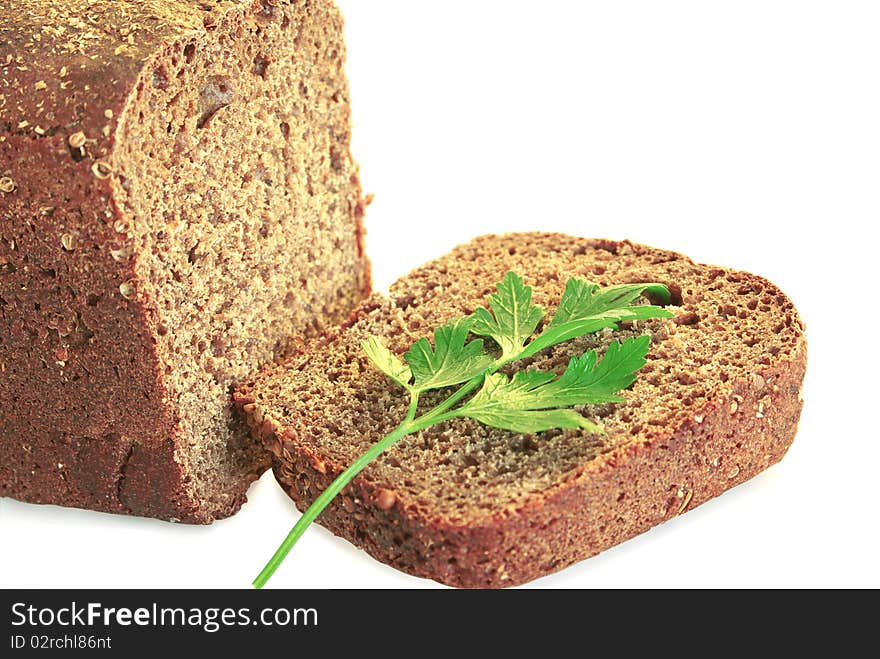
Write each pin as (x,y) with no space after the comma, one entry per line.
(86,418)
(83,422)
(746,426)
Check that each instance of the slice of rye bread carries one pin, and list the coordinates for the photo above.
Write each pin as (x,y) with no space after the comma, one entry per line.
(177,205)
(717,403)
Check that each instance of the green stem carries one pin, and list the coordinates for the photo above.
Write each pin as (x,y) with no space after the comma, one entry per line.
(467,388)
(439,413)
(432,419)
(413,405)
(410,425)
(328,495)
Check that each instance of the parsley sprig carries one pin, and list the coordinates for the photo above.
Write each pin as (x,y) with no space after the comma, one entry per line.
(529,401)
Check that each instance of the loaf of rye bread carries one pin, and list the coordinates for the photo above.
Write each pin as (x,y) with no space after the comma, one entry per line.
(717,402)
(178,205)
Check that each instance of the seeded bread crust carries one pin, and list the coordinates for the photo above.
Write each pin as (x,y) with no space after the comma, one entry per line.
(717,403)
(89,416)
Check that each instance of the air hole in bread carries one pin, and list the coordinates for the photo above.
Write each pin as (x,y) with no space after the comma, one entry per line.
(261,66)
(216,94)
(160,78)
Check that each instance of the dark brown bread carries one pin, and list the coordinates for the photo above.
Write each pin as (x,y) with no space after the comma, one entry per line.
(178,205)
(717,402)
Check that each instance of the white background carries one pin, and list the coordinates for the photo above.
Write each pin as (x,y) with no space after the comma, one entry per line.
(744,133)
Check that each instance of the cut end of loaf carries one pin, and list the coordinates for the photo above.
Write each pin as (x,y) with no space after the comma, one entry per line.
(243,211)
(716,403)
(179,207)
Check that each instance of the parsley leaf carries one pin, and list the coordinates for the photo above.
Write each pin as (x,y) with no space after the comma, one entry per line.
(387,362)
(583,299)
(530,401)
(513,318)
(590,381)
(514,403)
(451,360)
(494,413)
(586,308)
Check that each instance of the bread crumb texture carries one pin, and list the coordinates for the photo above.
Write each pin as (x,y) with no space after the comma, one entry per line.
(178,206)
(717,402)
